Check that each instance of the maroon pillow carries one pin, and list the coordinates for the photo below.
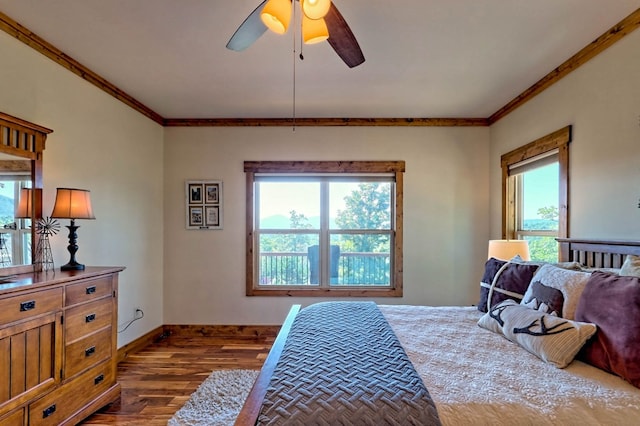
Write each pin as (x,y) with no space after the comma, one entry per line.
(612,302)
(512,282)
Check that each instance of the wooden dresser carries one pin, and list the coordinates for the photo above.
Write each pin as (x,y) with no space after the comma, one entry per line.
(58,345)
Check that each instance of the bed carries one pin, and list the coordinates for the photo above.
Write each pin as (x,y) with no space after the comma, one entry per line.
(468,371)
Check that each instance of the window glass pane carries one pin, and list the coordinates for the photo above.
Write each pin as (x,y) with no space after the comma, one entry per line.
(289,205)
(360,259)
(365,205)
(284,259)
(540,198)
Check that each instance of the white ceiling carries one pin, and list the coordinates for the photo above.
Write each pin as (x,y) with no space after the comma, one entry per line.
(424,58)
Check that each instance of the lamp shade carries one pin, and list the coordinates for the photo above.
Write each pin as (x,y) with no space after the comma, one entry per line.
(24,209)
(314,30)
(315,9)
(72,203)
(276,15)
(507,249)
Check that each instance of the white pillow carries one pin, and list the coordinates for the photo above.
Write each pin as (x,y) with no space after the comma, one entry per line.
(631,266)
(552,339)
(570,283)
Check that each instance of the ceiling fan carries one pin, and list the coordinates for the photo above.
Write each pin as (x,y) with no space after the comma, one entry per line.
(321,21)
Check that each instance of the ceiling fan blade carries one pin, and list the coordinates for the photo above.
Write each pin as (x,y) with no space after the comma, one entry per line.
(342,39)
(249,31)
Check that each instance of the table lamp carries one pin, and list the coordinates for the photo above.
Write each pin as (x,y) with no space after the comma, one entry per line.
(24,208)
(72,203)
(508,249)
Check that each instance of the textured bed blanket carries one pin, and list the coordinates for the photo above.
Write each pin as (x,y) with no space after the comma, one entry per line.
(477,377)
(343,365)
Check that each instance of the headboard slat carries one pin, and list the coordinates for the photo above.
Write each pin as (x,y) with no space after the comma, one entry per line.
(597,253)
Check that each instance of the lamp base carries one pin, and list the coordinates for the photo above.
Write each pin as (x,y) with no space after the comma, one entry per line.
(72,266)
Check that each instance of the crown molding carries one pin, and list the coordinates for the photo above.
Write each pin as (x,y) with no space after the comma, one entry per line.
(327,122)
(42,46)
(614,34)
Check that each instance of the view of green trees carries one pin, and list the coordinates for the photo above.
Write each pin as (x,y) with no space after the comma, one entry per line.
(543,248)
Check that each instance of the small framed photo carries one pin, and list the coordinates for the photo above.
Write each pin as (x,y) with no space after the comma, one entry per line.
(195,193)
(211,193)
(203,202)
(196,217)
(212,216)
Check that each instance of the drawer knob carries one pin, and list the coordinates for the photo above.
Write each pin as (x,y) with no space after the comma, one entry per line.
(27,306)
(90,351)
(91,290)
(98,379)
(48,411)
(90,318)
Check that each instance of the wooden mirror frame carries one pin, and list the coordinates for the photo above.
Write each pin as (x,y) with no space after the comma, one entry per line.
(21,138)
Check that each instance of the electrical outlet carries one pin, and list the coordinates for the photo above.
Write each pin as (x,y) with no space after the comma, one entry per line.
(138,313)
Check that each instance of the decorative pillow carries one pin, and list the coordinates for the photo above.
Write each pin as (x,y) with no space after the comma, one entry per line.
(613,302)
(545,299)
(504,280)
(570,283)
(552,339)
(631,266)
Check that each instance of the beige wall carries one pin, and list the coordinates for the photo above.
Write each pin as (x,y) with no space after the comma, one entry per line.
(102,145)
(602,102)
(445,221)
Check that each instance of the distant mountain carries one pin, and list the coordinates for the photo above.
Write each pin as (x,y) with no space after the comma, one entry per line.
(282,222)
(533,224)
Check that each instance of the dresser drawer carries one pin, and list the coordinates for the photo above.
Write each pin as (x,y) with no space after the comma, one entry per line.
(87,352)
(72,396)
(29,305)
(14,419)
(88,290)
(84,319)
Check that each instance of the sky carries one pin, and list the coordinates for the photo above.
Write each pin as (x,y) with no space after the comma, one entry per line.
(302,197)
(541,189)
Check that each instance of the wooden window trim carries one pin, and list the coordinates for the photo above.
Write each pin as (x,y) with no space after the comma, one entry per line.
(559,140)
(396,167)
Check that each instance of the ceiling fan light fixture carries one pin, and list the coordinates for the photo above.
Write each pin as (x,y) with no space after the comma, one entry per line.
(276,15)
(315,9)
(314,30)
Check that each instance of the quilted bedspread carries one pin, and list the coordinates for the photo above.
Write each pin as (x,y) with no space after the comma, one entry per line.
(343,365)
(479,378)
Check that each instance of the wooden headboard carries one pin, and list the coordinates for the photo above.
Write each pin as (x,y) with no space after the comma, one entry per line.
(597,253)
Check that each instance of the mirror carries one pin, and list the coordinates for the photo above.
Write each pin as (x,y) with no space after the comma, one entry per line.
(15,223)
(21,146)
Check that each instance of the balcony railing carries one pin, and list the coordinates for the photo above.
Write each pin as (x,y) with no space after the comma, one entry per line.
(351,269)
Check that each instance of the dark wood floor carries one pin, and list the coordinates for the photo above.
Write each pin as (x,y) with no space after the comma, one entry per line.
(158,380)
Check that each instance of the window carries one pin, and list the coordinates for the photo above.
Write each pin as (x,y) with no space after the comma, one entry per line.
(324,228)
(535,194)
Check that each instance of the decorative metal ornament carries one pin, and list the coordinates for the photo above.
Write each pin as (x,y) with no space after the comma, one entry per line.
(45,227)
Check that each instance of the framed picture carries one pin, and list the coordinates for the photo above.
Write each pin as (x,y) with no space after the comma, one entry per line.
(211,193)
(212,216)
(195,216)
(195,193)
(203,204)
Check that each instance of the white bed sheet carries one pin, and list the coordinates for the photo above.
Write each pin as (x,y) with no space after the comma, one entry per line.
(477,377)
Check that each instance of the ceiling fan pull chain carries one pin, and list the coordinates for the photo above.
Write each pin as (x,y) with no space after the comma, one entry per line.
(294,68)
